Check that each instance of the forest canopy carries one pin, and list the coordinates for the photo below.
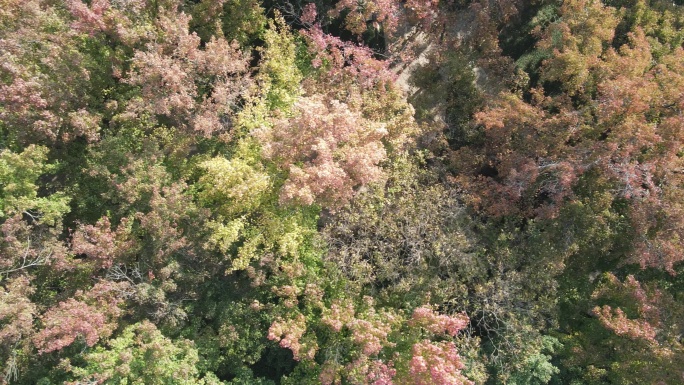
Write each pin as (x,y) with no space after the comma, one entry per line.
(367,192)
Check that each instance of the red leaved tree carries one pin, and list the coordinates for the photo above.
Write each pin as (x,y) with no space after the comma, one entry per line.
(328,150)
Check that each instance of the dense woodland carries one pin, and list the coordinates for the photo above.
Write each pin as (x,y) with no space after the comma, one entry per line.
(342,192)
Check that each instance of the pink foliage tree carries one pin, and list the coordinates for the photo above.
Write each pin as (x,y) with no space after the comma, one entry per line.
(99,243)
(436,323)
(436,364)
(169,64)
(387,15)
(45,79)
(368,371)
(381,338)
(645,305)
(328,150)
(25,246)
(16,310)
(423,10)
(91,316)
(288,333)
(341,60)
(68,321)
(169,71)
(381,12)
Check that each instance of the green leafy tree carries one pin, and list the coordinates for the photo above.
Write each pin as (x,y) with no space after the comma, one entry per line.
(141,355)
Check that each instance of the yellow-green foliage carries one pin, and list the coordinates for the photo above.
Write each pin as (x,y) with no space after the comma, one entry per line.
(247,253)
(234,186)
(279,65)
(223,236)
(278,82)
(240,20)
(19,175)
(142,355)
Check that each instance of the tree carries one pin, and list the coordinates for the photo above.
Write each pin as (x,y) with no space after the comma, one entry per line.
(142,354)
(603,119)
(327,149)
(629,337)
(49,80)
(30,223)
(17,314)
